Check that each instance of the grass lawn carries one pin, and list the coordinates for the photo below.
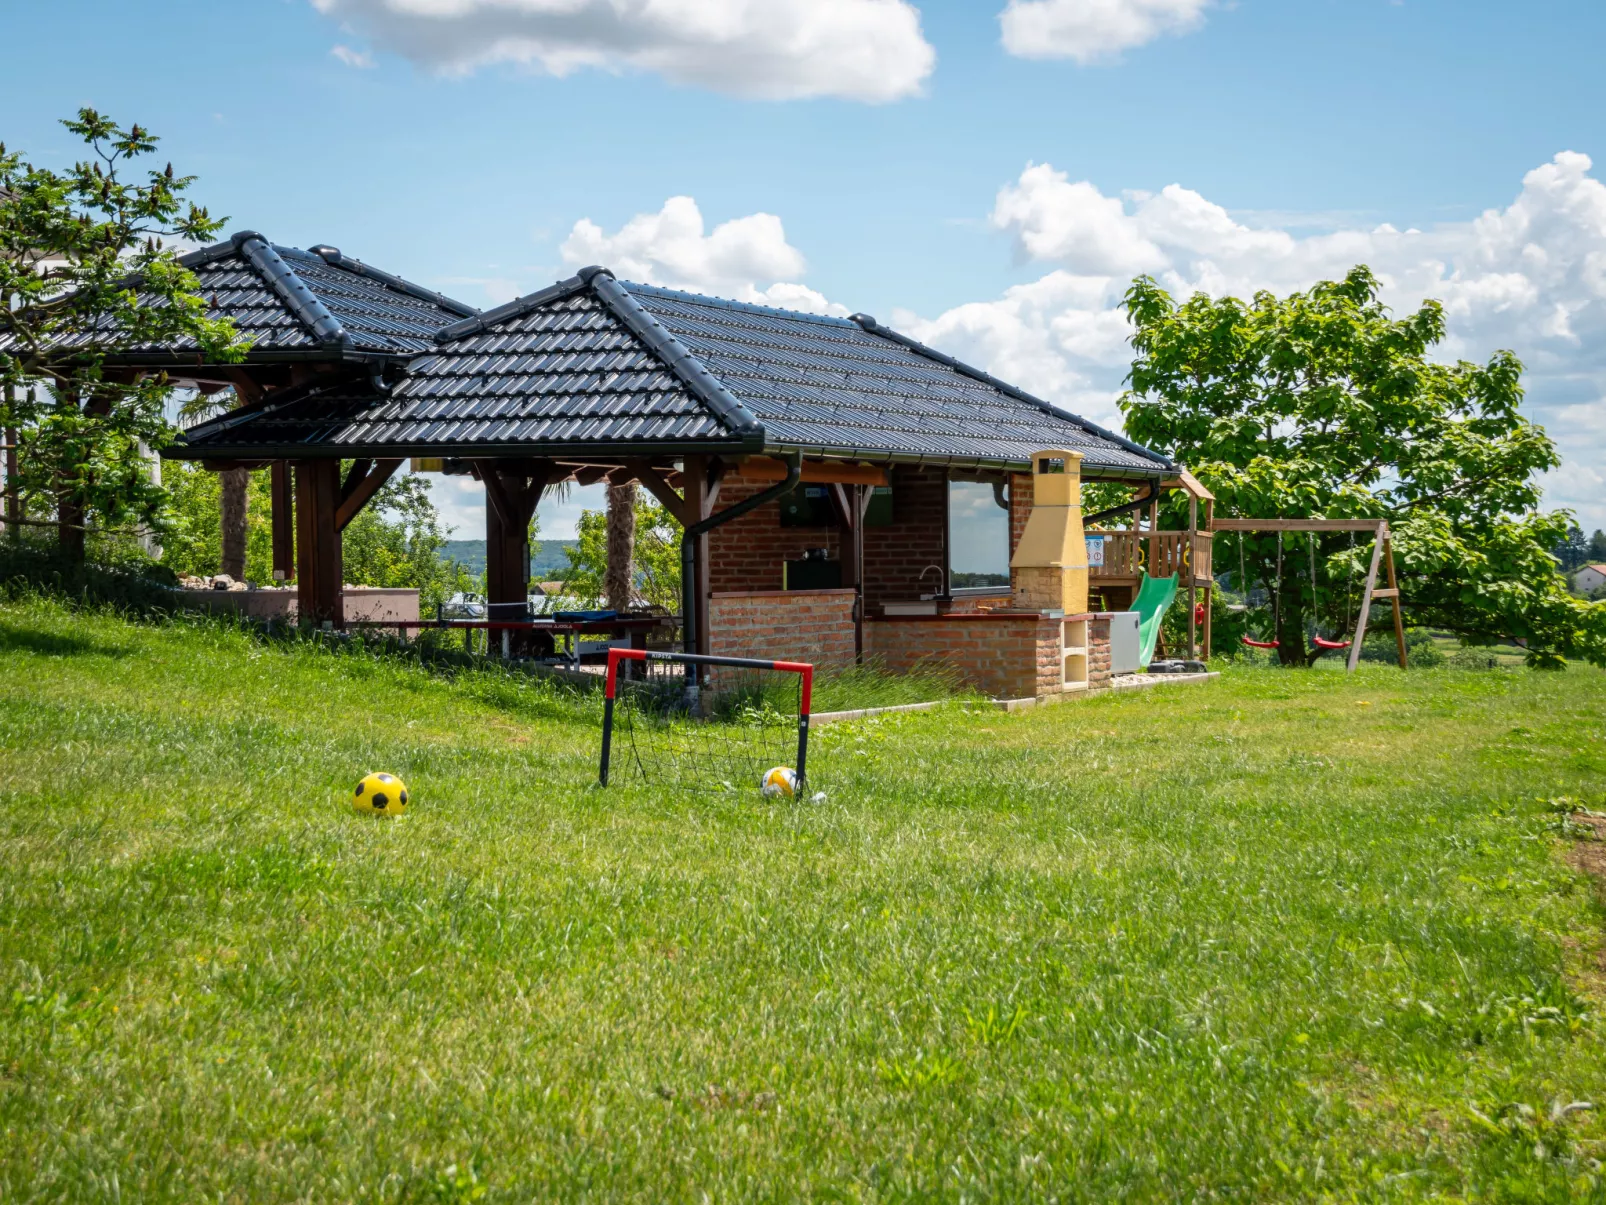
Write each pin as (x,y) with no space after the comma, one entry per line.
(1285,935)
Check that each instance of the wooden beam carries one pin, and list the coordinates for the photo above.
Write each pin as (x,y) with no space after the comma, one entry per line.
(816,472)
(358,491)
(1185,480)
(660,489)
(1389,593)
(1193,591)
(1394,595)
(591,474)
(282,499)
(318,561)
(245,385)
(223,466)
(1366,598)
(1297,525)
(698,506)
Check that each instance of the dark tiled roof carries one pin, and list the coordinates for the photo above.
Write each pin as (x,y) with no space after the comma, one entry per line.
(851,387)
(591,364)
(319,303)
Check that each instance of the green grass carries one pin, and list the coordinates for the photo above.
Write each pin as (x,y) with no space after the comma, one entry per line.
(1285,935)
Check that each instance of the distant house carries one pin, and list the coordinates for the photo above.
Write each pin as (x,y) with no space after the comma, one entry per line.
(1589,579)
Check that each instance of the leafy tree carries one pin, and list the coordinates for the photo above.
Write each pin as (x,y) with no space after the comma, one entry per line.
(1573,550)
(85,273)
(1597,547)
(657,556)
(1321,404)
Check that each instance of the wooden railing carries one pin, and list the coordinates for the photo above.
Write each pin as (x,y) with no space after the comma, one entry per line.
(1162,553)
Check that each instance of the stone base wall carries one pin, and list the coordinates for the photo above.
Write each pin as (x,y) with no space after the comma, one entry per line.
(363,603)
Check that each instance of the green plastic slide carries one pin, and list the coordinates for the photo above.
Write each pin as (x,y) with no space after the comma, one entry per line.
(1155,595)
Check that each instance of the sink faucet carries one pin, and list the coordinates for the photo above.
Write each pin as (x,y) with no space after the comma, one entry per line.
(921,580)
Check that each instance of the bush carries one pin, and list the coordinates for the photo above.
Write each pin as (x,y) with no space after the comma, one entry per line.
(114,573)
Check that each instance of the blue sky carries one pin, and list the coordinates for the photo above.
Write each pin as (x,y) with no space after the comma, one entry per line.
(889,141)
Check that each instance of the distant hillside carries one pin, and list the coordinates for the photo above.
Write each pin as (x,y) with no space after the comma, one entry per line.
(547,557)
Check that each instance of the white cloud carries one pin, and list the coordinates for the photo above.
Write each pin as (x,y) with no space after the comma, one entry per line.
(1089,30)
(360,59)
(1530,277)
(747,259)
(867,50)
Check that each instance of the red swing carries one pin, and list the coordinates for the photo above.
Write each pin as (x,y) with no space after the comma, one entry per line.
(1277,599)
(1316,637)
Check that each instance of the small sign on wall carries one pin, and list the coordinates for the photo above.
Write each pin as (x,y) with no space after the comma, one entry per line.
(1095,551)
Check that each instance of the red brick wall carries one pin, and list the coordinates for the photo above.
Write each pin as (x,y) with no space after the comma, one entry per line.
(916,539)
(997,655)
(747,553)
(784,625)
(1020,509)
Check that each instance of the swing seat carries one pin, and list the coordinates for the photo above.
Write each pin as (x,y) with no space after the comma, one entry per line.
(1330,644)
(1261,644)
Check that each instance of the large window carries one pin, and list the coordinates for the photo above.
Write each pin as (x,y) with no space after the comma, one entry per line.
(978,537)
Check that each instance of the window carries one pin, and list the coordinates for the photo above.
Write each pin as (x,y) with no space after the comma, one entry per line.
(978,537)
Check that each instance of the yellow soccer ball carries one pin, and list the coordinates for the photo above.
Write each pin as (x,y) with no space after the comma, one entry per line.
(779,783)
(380,795)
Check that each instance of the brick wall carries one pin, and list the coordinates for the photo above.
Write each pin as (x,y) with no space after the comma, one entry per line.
(784,625)
(996,654)
(916,539)
(1008,655)
(1020,509)
(748,553)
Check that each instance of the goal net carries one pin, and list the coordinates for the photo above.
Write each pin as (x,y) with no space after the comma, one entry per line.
(704,723)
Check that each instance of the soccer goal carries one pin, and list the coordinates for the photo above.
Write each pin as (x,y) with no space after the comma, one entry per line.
(708,723)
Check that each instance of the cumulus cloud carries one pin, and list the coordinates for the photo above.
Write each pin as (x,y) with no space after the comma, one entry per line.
(746,259)
(1530,277)
(1089,30)
(867,50)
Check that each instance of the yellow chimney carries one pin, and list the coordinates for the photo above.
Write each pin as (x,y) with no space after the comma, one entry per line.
(1050,564)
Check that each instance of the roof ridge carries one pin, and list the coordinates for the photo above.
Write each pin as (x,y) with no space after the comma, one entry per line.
(726,303)
(509,309)
(871,326)
(279,276)
(334,257)
(680,359)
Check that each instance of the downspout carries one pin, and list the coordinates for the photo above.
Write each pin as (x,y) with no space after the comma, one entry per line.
(688,555)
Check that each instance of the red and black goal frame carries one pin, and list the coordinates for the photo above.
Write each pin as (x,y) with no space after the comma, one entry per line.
(617,657)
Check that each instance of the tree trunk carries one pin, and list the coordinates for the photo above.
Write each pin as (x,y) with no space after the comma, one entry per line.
(618,583)
(236,484)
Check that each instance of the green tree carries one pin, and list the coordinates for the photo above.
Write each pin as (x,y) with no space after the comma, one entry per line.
(1573,550)
(1321,404)
(656,560)
(86,272)
(1597,547)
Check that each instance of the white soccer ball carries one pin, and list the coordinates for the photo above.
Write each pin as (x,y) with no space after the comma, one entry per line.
(779,783)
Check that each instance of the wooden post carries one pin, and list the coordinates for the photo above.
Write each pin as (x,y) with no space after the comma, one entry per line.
(1366,598)
(699,504)
(319,596)
(284,521)
(1154,534)
(512,491)
(1394,597)
(1193,592)
(850,503)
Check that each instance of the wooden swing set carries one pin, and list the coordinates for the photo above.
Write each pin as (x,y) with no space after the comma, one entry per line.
(1382,549)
